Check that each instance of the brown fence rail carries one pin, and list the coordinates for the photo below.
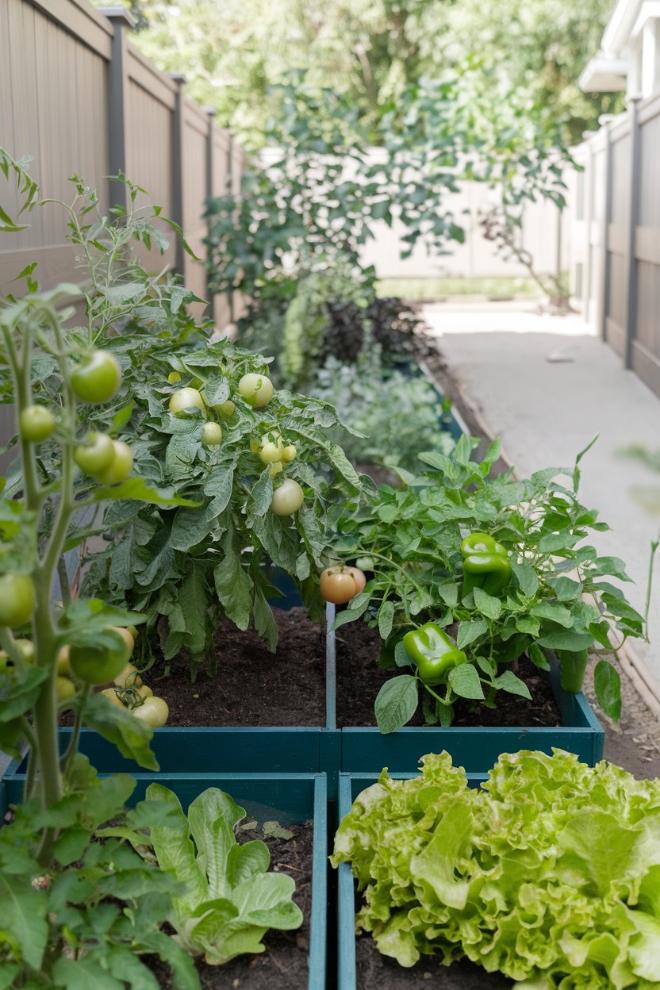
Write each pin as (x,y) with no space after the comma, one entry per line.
(616,229)
(78,98)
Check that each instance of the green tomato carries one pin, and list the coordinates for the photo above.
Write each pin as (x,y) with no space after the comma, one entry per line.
(270,453)
(153,711)
(275,469)
(16,600)
(289,453)
(288,498)
(97,378)
(99,664)
(211,434)
(95,455)
(65,689)
(36,424)
(257,390)
(185,401)
(226,408)
(120,466)
(174,378)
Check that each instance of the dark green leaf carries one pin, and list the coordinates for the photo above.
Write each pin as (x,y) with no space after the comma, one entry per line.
(608,689)
(396,703)
(465,682)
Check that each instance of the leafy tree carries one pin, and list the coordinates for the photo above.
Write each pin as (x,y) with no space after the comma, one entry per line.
(373,50)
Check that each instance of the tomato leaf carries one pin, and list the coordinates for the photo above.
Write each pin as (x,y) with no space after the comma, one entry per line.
(122,729)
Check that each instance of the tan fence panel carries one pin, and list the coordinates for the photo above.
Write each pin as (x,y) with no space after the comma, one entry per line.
(221,182)
(196,188)
(53,108)
(151,100)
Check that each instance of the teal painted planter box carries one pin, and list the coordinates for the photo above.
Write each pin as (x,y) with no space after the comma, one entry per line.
(236,749)
(286,798)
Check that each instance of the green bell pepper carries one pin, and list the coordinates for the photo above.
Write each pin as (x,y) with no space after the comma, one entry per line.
(572,668)
(485,564)
(434,652)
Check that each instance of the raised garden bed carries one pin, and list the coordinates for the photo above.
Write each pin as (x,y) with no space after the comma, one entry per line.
(211,733)
(293,960)
(352,679)
(360,966)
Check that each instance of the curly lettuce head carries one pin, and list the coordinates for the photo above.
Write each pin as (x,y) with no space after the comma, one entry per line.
(549,873)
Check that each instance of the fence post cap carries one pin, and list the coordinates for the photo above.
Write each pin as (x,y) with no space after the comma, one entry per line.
(120,14)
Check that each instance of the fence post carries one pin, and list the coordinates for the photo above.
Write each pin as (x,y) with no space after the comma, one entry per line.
(601,299)
(210,192)
(177,170)
(230,189)
(630,256)
(121,19)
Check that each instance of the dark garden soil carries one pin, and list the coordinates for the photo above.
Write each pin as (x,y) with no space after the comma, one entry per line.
(359,679)
(376,972)
(283,966)
(253,686)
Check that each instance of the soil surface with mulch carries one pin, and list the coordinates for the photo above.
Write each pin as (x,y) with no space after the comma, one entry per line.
(284,964)
(252,686)
(376,972)
(359,680)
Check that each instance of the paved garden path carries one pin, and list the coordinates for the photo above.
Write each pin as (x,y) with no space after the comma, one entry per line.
(547,385)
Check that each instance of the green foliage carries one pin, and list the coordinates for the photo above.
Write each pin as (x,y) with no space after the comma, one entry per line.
(371,51)
(229,899)
(200,546)
(308,320)
(320,190)
(561,595)
(195,564)
(548,873)
(393,417)
(98,907)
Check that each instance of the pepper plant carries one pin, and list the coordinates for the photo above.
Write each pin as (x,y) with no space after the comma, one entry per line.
(501,566)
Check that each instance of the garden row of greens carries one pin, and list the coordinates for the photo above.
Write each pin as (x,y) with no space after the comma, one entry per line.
(141,432)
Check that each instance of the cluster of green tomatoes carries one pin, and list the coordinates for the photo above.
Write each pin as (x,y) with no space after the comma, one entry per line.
(109,462)
(257,391)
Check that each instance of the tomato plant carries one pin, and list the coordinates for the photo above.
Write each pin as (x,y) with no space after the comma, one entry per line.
(52,936)
(185,567)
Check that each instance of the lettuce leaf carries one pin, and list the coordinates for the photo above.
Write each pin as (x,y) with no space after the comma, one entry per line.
(549,873)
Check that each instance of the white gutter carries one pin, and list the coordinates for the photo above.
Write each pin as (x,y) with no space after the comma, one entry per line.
(604,74)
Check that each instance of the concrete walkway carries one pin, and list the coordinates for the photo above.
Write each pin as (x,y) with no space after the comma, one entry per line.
(546,385)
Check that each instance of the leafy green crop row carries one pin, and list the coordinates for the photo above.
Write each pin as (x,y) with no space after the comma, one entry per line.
(549,873)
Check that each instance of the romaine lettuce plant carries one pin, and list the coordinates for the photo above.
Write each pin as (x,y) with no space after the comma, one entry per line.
(230,899)
(549,873)
(559,595)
